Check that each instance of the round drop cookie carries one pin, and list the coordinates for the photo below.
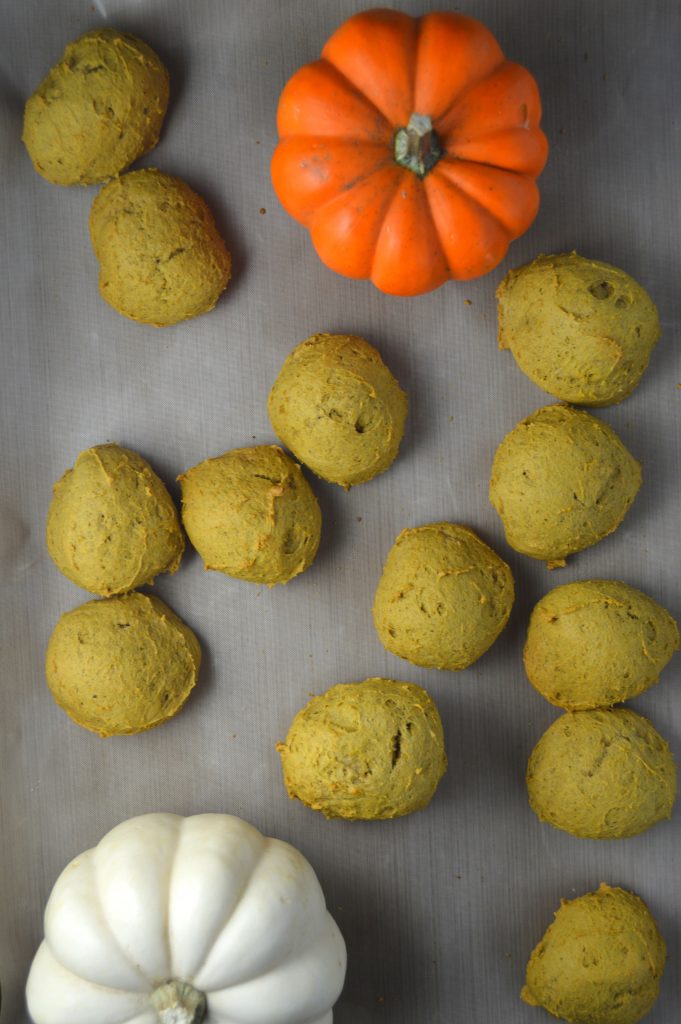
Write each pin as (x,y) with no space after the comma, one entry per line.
(338,408)
(602,774)
(250,513)
(444,597)
(111,525)
(561,481)
(161,257)
(122,664)
(599,962)
(365,750)
(580,329)
(97,110)
(596,643)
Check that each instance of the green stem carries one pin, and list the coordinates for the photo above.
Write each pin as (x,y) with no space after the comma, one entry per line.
(417,146)
(177,1002)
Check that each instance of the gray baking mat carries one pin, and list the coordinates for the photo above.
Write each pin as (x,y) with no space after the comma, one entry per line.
(440,910)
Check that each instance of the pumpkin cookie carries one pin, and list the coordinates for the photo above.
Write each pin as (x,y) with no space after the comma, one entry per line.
(339,409)
(600,962)
(111,525)
(365,750)
(161,257)
(122,665)
(596,643)
(98,110)
(580,329)
(444,597)
(250,513)
(602,774)
(561,481)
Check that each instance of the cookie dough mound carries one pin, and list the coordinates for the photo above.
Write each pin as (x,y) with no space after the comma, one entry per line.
(122,665)
(250,513)
(561,481)
(600,961)
(580,329)
(161,257)
(365,750)
(339,409)
(98,110)
(603,774)
(444,597)
(112,525)
(597,643)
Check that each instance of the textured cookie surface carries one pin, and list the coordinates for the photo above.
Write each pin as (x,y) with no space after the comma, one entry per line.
(600,961)
(122,664)
(595,643)
(339,409)
(561,481)
(602,774)
(580,329)
(161,257)
(365,750)
(443,598)
(97,110)
(112,525)
(250,513)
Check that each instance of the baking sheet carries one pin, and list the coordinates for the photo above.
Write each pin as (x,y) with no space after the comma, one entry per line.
(441,909)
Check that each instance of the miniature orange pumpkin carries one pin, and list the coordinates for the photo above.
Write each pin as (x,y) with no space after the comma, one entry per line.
(410,150)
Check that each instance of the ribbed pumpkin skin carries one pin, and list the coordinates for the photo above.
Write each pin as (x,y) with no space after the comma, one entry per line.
(334,169)
(206,903)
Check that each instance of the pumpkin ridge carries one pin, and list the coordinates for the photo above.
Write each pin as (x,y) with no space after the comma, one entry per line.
(92,862)
(486,163)
(474,200)
(230,914)
(483,137)
(386,161)
(322,939)
(387,204)
(502,137)
(455,187)
(529,82)
(468,36)
(464,92)
(166,919)
(377,15)
(166,902)
(385,198)
(420,184)
(436,228)
(350,85)
(350,185)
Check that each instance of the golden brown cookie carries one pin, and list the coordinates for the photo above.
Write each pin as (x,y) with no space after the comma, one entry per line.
(161,257)
(338,408)
(98,110)
(600,961)
(365,750)
(111,525)
(580,329)
(122,664)
(444,597)
(251,514)
(561,481)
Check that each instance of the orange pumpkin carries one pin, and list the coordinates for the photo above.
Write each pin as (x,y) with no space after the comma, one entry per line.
(410,150)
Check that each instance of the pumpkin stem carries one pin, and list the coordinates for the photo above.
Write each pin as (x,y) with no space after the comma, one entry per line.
(177,1002)
(417,146)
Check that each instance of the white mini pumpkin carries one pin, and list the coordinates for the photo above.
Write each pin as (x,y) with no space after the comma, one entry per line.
(197,920)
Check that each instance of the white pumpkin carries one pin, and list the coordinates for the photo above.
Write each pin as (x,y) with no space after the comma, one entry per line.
(197,920)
